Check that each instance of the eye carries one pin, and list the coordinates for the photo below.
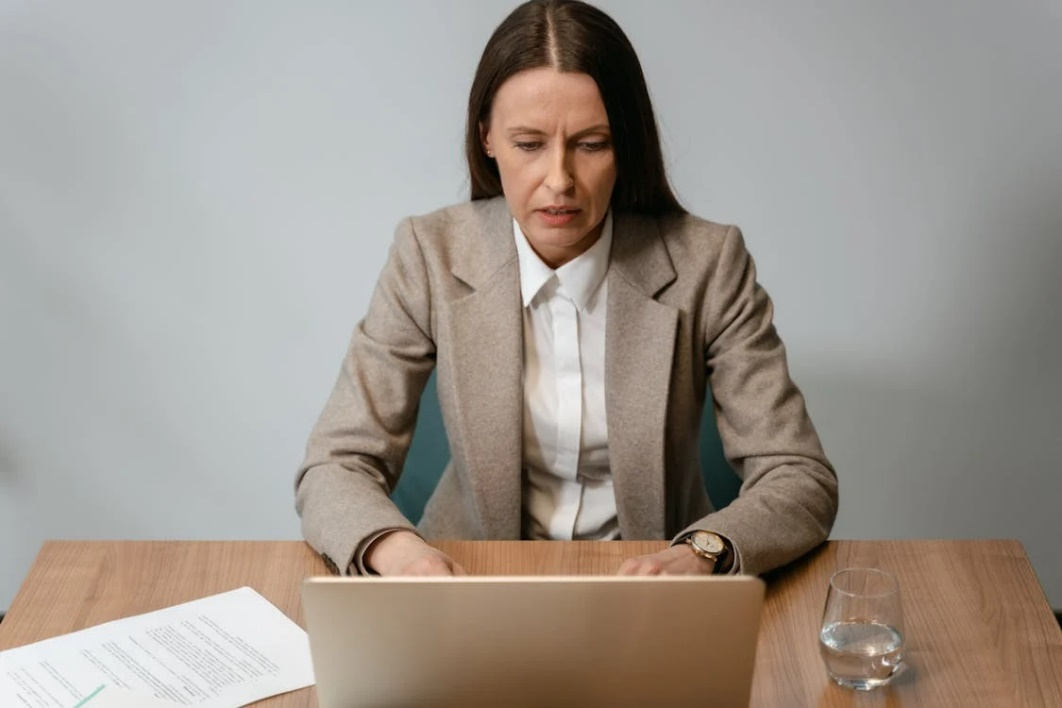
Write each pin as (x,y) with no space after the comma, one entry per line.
(594,146)
(527,146)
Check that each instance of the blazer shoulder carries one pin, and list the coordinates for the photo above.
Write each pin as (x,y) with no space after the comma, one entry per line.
(697,243)
(690,228)
(470,239)
(466,217)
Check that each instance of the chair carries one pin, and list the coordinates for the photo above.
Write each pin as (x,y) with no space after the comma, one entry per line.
(429,452)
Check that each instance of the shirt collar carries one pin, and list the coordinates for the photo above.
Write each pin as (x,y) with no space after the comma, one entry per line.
(580,276)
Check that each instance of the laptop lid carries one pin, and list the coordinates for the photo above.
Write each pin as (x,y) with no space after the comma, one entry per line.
(533,641)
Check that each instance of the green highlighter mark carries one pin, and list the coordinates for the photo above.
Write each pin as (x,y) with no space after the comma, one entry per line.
(88,698)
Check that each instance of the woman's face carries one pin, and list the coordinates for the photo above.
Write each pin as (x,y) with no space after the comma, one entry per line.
(550,136)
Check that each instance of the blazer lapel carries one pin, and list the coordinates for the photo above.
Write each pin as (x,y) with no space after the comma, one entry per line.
(639,350)
(487,336)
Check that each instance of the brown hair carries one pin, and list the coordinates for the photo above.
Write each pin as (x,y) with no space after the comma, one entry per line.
(573,36)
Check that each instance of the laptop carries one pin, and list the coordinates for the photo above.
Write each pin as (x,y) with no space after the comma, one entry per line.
(533,641)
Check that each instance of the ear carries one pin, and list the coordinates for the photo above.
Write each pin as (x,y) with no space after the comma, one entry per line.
(484,138)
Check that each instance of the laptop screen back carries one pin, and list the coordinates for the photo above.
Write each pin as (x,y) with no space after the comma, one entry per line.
(516,641)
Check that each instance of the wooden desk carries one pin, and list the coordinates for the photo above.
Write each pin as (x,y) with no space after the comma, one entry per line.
(979,628)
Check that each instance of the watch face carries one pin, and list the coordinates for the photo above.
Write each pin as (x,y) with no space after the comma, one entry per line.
(708,542)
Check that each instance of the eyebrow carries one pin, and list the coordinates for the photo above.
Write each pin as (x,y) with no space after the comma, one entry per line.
(600,128)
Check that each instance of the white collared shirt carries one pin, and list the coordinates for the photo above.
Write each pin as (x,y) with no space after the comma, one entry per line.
(567,485)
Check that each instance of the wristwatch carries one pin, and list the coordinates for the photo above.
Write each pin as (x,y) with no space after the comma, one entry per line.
(711,546)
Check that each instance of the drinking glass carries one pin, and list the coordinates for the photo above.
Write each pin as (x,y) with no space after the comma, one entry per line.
(862,639)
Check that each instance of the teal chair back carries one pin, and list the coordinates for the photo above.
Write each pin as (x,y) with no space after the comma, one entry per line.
(430,451)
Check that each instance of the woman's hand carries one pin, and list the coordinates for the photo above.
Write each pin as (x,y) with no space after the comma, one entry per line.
(676,560)
(405,553)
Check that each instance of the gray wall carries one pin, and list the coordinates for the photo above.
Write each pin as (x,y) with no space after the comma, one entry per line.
(195,199)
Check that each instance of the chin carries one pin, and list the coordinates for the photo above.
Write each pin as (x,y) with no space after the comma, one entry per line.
(561,239)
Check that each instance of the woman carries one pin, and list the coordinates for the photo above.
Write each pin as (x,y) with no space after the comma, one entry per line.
(574,313)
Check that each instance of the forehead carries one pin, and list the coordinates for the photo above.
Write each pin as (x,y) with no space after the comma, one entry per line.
(546,95)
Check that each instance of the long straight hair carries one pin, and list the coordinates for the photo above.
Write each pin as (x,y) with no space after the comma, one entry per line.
(573,36)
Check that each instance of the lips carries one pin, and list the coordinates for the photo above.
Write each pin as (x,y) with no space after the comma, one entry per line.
(556,216)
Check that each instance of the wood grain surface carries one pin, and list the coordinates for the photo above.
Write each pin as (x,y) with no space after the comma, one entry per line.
(979,629)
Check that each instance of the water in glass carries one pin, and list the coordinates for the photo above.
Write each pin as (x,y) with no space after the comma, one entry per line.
(861,654)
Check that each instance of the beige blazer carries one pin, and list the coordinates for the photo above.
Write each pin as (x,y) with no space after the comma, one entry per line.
(684,309)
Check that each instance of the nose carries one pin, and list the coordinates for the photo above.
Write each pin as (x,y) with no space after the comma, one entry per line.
(559,177)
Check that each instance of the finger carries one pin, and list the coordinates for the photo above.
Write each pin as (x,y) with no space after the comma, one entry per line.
(430,565)
(452,566)
(638,567)
(650,566)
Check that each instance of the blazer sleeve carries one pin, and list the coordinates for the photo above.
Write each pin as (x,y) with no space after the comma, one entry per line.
(788,498)
(356,450)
